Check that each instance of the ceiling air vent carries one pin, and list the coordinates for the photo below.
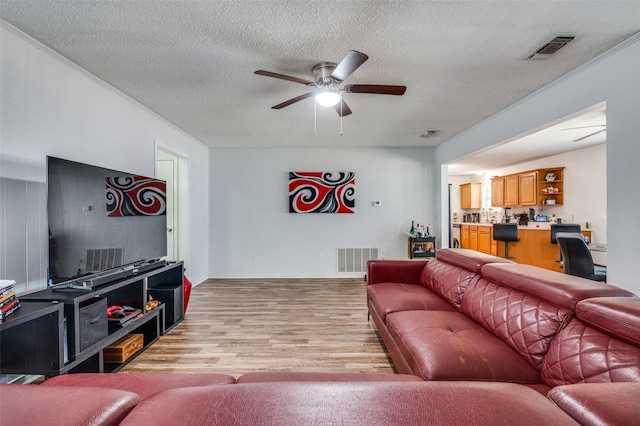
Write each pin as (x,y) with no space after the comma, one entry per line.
(551,46)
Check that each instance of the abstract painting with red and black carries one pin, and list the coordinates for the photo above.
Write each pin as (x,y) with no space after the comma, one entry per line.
(136,196)
(322,192)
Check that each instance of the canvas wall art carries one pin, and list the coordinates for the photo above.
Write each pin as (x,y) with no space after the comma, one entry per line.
(136,196)
(322,192)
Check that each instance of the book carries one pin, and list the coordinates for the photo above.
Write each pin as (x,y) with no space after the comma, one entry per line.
(6,283)
(9,309)
(6,297)
(7,301)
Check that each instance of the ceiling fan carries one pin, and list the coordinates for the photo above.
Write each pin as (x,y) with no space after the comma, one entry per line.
(327,77)
(590,134)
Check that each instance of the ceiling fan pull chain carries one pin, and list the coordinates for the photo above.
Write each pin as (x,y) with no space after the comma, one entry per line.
(341,103)
(315,119)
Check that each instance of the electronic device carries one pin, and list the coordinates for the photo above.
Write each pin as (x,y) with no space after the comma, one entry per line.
(102,220)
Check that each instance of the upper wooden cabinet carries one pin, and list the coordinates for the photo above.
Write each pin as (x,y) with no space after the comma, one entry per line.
(530,188)
(511,190)
(497,192)
(471,195)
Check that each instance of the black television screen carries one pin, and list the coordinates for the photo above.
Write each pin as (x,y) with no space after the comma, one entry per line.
(100,219)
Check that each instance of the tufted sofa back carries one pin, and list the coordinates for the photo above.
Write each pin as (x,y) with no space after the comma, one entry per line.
(450,273)
(526,306)
(602,344)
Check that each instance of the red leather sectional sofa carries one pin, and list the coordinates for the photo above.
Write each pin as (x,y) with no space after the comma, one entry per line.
(477,340)
(275,398)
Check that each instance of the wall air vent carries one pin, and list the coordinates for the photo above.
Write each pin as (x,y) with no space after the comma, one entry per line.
(355,259)
(551,46)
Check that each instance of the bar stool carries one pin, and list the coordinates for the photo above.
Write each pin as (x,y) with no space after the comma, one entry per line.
(506,232)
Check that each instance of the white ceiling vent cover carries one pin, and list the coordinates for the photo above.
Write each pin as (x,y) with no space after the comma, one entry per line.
(551,46)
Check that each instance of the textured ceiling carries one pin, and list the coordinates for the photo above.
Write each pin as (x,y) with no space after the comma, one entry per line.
(192,62)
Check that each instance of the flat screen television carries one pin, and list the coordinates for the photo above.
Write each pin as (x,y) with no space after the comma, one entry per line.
(101,219)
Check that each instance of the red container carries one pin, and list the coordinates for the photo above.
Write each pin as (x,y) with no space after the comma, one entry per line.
(187,292)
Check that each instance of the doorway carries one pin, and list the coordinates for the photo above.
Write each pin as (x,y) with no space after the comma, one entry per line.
(174,170)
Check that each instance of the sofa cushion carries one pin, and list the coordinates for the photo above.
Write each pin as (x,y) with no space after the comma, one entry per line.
(394,297)
(441,345)
(62,405)
(302,376)
(452,271)
(524,322)
(374,403)
(143,384)
(582,353)
(599,404)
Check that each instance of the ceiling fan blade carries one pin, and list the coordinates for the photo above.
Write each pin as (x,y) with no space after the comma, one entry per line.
(349,64)
(375,89)
(284,77)
(342,108)
(293,100)
(589,135)
(585,127)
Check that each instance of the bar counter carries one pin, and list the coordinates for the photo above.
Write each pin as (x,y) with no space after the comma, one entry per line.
(533,248)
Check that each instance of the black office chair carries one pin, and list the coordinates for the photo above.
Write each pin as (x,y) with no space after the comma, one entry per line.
(506,232)
(577,257)
(562,227)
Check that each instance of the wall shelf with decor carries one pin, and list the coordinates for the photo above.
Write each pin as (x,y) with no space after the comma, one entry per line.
(551,186)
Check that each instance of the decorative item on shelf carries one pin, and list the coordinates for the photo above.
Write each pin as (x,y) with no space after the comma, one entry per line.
(413,228)
(550,177)
(9,302)
(151,304)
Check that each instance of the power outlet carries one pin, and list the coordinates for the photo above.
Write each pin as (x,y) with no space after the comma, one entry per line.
(253,257)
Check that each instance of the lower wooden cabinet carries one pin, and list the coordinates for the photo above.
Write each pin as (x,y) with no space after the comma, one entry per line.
(484,239)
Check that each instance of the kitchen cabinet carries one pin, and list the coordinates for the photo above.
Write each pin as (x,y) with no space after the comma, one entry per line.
(484,239)
(511,190)
(471,195)
(464,236)
(497,192)
(528,188)
(469,237)
(531,188)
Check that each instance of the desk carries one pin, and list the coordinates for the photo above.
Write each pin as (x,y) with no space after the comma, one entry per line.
(599,254)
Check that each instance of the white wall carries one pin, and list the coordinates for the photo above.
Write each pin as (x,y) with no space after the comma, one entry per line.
(615,78)
(51,107)
(250,216)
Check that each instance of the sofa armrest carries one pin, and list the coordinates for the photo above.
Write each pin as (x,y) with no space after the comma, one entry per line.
(599,403)
(64,405)
(394,271)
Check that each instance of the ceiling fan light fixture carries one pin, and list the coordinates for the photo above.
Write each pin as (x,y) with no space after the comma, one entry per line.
(328,98)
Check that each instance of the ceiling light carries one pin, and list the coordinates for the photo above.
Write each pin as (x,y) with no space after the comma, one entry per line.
(428,133)
(328,98)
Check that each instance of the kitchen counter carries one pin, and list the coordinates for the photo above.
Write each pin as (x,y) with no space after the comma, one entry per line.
(534,246)
(540,226)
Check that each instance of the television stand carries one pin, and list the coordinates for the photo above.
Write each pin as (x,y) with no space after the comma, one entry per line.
(57,332)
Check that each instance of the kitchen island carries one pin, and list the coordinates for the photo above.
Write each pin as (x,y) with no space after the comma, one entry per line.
(533,248)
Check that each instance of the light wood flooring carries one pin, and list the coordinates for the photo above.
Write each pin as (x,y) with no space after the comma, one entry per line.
(238,326)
